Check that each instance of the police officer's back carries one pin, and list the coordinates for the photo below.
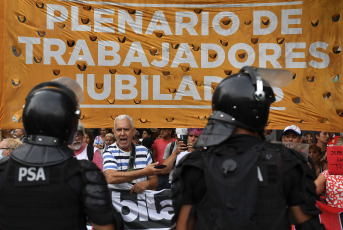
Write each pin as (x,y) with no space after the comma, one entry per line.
(239,181)
(42,186)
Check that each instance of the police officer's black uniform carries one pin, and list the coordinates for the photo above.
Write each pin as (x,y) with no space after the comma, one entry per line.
(42,186)
(239,181)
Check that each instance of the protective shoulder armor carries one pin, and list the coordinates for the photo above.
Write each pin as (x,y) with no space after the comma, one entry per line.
(4,160)
(193,159)
(97,197)
(294,159)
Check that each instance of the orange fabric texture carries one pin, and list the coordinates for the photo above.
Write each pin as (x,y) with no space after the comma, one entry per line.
(159,61)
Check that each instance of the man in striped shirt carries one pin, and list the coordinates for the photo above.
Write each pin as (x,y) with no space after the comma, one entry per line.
(128,166)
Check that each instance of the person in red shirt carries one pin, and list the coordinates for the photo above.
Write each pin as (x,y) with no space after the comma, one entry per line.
(158,148)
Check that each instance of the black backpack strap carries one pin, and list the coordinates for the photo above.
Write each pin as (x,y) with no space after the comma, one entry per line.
(171,147)
(90,152)
(132,158)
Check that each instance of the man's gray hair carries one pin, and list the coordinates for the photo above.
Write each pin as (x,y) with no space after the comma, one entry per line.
(123,117)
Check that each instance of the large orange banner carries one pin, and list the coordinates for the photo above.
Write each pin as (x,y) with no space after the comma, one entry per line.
(159,61)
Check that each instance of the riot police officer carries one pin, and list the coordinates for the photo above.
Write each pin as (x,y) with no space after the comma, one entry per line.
(240,181)
(42,185)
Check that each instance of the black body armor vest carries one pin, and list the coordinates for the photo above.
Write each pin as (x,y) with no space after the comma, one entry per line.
(36,196)
(244,189)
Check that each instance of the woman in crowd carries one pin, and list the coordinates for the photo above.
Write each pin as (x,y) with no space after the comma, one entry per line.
(99,141)
(88,138)
(316,155)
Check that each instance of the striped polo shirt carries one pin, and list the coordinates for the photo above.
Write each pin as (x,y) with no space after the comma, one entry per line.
(116,159)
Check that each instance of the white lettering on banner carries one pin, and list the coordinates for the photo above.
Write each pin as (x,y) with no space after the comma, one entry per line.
(272,59)
(189,26)
(132,87)
(158,22)
(111,53)
(323,56)
(205,54)
(99,20)
(161,19)
(257,22)
(165,56)
(286,21)
(31,174)
(184,49)
(48,53)
(241,46)
(29,47)
(81,45)
(144,209)
(136,47)
(291,55)
(51,19)
(216,23)
(124,17)
(75,26)
(184,55)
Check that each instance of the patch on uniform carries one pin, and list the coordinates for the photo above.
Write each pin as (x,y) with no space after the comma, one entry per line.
(31,176)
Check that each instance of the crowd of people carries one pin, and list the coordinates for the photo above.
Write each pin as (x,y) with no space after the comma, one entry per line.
(165,147)
(210,172)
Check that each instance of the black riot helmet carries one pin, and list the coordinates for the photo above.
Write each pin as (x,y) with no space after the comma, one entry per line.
(242,100)
(51,114)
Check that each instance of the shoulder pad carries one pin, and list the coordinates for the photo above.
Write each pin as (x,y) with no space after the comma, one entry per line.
(191,159)
(4,160)
(87,165)
(287,153)
(37,155)
(92,174)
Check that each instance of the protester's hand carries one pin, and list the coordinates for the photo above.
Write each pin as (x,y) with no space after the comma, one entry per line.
(150,170)
(190,147)
(181,147)
(140,187)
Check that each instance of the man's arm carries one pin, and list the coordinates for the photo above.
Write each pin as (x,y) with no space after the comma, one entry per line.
(169,162)
(150,184)
(117,177)
(154,155)
(184,222)
(305,221)
(103,227)
(320,184)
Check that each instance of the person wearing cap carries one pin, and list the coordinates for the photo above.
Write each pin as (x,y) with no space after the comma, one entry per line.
(292,134)
(239,181)
(43,186)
